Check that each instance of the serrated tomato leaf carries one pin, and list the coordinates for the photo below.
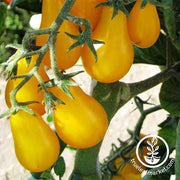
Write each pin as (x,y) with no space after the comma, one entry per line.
(168,131)
(170,96)
(156,54)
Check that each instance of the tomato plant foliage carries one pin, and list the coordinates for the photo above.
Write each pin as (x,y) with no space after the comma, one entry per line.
(108,36)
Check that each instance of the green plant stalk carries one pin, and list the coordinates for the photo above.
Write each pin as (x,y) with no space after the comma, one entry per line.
(13,93)
(142,118)
(86,160)
(53,59)
(87,170)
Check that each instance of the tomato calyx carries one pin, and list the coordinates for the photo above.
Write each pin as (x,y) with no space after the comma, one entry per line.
(62,84)
(84,37)
(117,5)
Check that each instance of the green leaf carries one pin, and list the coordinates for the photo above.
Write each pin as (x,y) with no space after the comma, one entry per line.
(169,19)
(30,5)
(152,55)
(168,131)
(110,96)
(59,167)
(156,54)
(170,96)
(3,14)
(177,160)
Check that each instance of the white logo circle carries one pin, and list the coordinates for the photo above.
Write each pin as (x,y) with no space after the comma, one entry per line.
(152,161)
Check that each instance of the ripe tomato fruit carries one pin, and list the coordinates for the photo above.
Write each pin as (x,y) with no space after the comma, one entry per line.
(8,1)
(144,25)
(36,145)
(87,9)
(30,91)
(65,60)
(80,122)
(115,57)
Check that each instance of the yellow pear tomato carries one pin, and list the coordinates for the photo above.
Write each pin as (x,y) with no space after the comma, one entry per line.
(144,25)
(36,145)
(65,60)
(81,122)
(115,57)
(30,91)
(87,9)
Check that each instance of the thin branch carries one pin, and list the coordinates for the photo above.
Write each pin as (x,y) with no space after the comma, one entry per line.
(139,87)
(142,118)
(53,59)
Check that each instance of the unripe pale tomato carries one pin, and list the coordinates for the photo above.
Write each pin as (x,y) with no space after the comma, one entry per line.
(30,91)
(80,122)
(144,25)
(87,9)
(36,145)
(65,60)
(115,57)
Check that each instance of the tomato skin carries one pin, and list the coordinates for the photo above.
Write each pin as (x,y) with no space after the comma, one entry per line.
(87,9)
(30,91)
(36,145)
(116,56)
(82,121)
(65,60)
(144,25)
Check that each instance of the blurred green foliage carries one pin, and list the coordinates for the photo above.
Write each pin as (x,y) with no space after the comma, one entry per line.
(16,23)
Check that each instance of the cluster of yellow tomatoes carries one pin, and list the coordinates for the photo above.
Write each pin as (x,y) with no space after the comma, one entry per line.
(129,172)
(80,122)
(116,55)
